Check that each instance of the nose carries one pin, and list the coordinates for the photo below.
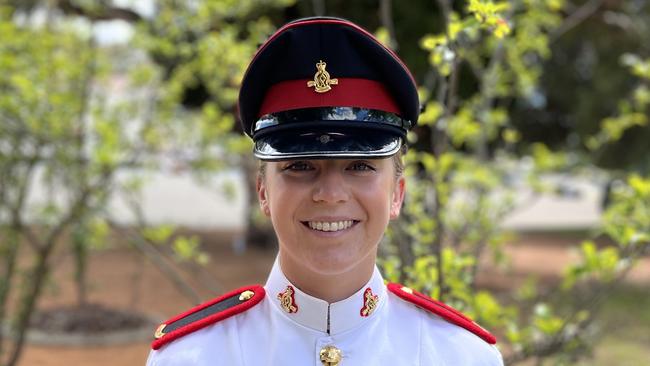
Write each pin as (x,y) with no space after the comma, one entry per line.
(330,187)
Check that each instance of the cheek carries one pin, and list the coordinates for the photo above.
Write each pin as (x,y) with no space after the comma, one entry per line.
(377,198)
(284,200)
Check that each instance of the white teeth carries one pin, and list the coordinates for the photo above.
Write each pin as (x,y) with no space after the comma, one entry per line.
(330,226)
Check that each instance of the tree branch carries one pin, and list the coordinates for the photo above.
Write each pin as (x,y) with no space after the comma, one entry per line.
(150,252)
(386,15)
(105,13)
(198,272)
(319,7)
(593,303)
(585,11)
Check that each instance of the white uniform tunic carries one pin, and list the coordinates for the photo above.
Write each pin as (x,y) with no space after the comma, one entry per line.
(395,332)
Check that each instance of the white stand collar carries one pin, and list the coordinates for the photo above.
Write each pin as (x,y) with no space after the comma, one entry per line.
(315,313)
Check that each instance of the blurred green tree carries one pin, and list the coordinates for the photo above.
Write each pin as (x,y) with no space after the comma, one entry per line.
(48,82)
(63,131)
(459,191)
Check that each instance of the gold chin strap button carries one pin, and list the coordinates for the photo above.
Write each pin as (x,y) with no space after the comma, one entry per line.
(408,290)
(246,295)
(330,356)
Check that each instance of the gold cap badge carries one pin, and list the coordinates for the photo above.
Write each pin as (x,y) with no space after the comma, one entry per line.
(322,79)
(287,301)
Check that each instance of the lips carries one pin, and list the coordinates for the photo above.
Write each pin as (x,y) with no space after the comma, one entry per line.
(330,226)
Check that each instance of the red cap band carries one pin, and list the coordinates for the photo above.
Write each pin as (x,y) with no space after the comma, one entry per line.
(349,92)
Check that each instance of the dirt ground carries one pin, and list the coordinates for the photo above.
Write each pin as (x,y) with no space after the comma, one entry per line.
(121,279)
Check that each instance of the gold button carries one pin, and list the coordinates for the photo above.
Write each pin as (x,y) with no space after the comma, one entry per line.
(246,295)
(408,290)
(159,332)
(330,356)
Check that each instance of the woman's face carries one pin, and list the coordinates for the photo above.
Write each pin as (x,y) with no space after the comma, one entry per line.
(329,215)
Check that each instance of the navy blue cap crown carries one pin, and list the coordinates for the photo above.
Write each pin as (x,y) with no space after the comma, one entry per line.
(326,88)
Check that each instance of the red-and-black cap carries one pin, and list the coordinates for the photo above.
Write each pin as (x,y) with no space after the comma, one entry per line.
(326,88)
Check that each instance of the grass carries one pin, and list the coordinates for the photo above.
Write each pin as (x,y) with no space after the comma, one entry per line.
(614,350)
(625,333)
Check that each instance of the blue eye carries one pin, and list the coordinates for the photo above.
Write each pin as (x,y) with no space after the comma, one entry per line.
(298,166)
(361,166)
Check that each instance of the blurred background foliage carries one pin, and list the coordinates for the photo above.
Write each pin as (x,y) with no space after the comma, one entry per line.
(511,91)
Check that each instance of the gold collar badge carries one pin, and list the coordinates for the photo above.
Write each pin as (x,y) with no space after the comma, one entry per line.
(322,79)
(370,301)
(287,300)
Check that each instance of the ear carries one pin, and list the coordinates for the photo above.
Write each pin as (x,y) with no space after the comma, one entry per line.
(262,196)
(398,197)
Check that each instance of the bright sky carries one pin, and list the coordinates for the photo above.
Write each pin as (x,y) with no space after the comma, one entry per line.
(118,31)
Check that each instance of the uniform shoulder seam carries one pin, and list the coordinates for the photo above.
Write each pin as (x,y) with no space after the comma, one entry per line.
(210,312)
(441,309)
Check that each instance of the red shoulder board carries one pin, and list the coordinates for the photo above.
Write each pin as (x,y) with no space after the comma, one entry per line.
(441,309)
(201,316)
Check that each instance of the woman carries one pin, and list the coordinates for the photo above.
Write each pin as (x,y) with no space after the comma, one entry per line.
(328,108)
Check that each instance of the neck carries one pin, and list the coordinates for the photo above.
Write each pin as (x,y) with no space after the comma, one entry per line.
(328,287)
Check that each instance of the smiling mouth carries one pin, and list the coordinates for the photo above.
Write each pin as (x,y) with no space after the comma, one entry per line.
(330,226)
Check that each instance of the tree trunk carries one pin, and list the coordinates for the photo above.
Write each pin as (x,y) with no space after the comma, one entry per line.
(9,250)
(28,300)
(80,251)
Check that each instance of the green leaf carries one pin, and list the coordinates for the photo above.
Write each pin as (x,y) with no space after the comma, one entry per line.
(186,248)
(159,234)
